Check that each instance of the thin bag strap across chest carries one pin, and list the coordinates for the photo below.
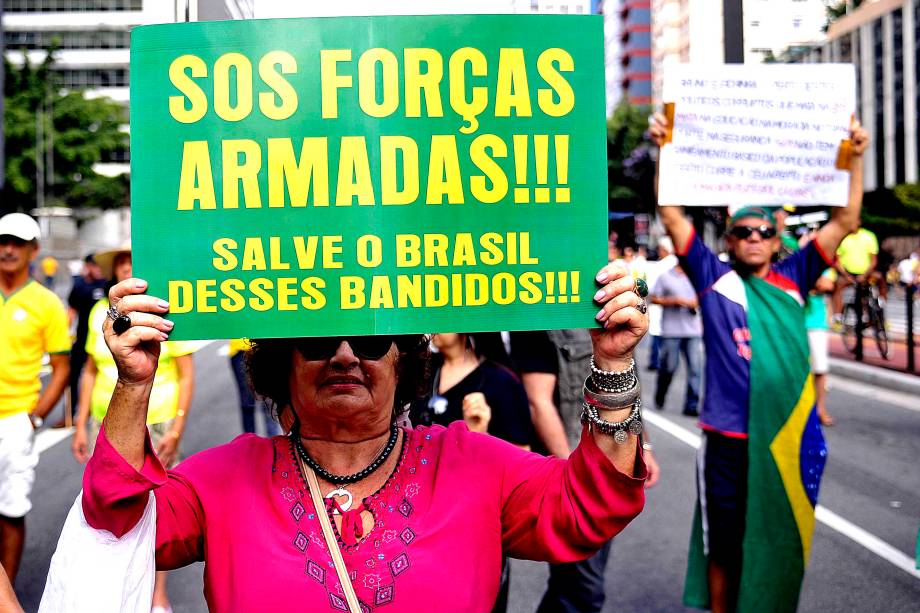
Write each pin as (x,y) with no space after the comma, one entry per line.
(313,484)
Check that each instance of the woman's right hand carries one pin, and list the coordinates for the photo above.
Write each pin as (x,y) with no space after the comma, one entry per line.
(79,446)
(137,350)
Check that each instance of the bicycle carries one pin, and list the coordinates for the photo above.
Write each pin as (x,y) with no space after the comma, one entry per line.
(873,317)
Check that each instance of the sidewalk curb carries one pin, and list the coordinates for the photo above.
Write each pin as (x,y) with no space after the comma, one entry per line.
(873,375)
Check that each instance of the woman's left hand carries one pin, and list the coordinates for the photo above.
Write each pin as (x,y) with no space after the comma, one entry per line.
(624,324)
(168,448)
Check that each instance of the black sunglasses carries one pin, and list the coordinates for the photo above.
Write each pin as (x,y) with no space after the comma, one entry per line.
(743,232)
(365,347)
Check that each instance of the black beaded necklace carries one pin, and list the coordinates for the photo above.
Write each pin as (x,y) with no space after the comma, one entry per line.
(344,479)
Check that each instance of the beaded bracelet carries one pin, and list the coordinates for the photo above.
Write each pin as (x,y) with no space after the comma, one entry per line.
(614,382)
(621,430)
(610,400)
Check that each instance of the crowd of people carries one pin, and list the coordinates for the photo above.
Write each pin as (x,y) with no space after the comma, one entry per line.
(383,435)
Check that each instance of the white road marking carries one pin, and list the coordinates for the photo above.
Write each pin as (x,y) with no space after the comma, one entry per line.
(679,432)
(46,439)
(867,540)
(822,514)
(874,393)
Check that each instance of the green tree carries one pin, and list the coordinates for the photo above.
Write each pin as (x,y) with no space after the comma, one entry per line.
(893,212)
(835,9)
(77,132)
(626,157)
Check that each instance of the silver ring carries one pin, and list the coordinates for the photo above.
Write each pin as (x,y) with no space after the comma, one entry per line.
(642,306)
(113,313)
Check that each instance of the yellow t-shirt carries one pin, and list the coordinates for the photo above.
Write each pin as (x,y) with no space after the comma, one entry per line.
(32,322)
(49,266)
(164,398)
(856,251)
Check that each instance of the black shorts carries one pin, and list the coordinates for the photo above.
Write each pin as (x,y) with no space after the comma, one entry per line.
(723,484)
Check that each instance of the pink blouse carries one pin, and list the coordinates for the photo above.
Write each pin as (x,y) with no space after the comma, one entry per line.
(456,501)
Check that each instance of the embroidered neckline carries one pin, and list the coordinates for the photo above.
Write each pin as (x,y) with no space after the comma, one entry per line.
(366,501)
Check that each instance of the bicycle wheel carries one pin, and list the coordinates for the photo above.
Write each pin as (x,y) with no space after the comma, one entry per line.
(848,332)
(881,334)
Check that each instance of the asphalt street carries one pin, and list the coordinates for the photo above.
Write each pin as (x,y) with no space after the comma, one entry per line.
(871,483)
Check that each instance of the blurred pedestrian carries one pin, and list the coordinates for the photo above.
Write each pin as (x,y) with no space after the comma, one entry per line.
(909,269)
(88,289)
(484,394)
(467,386)
(818,329)
(763,452)
(238,350)
(170,395)
(857,262)
(552,366)
(681,334)
(49,266)
(33,322)
(666,260)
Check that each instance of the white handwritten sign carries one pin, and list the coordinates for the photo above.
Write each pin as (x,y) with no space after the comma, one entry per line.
(757,134)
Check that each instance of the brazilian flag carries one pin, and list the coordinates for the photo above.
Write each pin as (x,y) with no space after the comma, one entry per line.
(786,456)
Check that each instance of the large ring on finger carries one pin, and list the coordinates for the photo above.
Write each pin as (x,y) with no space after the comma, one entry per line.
(642,306)
(641,288)
(120,322)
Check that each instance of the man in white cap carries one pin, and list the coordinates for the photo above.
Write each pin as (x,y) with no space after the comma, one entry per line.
(32,322)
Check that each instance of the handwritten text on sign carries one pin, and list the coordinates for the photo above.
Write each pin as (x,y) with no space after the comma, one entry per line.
(762,134)
(363,188)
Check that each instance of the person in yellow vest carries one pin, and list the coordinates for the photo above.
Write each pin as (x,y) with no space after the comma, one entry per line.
(857,259)
(170,398)
(33,322)
(49,267)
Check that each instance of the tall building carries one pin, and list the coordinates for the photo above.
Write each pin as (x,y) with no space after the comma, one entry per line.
(610,9)
(882,39)
(636,50)
(770,26)
(613,67)
(685,31)
(93,38)
(693,31)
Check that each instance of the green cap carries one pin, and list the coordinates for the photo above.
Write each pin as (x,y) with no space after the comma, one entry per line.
(757,212)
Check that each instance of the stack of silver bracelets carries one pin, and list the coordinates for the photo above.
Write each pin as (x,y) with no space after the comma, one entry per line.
(612,391)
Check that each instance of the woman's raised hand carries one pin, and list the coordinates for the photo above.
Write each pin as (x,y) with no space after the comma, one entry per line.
(624,323)
(137,350)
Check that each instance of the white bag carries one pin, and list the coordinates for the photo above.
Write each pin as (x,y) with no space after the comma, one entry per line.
(92,571)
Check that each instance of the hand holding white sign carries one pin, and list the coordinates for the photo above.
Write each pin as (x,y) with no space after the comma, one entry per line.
(765,135)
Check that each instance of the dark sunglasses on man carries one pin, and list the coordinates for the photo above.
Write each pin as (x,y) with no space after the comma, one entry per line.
(365,347)
(765,231)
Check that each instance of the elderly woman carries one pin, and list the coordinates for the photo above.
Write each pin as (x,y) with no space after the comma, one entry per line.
(408,506)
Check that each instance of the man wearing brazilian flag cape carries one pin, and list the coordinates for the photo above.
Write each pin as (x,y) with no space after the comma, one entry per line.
(763,453)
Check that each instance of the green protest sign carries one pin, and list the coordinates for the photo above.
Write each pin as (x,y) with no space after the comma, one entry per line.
(370,175)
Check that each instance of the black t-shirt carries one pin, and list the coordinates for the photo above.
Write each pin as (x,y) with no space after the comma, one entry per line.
(82,298)
(534,352)
(504,394)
